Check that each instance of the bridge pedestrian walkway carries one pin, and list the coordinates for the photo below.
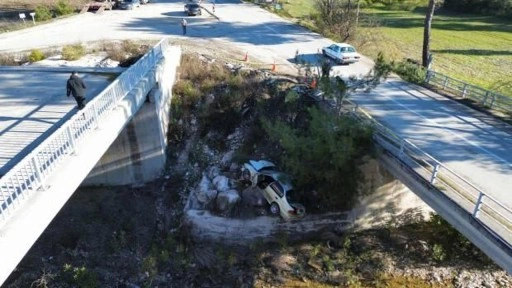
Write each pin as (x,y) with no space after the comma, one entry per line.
(33,104)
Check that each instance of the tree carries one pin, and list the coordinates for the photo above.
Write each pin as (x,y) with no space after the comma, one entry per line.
(337,18)
(324,157)
(426,32)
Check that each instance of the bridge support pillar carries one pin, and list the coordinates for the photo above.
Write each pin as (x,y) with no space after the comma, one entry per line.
(138,155)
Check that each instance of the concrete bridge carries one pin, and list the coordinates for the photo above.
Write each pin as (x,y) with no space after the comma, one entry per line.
(130,117)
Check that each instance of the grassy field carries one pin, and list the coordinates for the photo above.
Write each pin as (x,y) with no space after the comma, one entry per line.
(475,49)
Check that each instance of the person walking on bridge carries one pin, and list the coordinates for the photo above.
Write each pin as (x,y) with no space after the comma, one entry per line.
(76,87)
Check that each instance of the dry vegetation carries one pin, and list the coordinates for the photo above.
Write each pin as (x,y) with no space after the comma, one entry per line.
(23,5)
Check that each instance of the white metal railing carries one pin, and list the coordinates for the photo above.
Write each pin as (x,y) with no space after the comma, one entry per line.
(485,97)
(31,173)
(495,216)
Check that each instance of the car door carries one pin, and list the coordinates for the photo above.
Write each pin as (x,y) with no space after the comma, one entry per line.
(336,52)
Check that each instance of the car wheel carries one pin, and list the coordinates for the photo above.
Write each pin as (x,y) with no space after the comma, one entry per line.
(274,208)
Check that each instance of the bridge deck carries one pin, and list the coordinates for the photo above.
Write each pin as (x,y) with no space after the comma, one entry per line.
(32,105)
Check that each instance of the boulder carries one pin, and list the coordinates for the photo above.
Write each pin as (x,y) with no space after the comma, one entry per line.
(253,197)
(234,167)
(204,191)
(213,172)
(221,183)
(227,200)
(226,159)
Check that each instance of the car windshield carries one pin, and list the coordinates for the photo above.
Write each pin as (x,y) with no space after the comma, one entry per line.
(193,6)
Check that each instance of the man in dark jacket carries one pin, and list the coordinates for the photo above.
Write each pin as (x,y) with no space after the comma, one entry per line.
(76,86)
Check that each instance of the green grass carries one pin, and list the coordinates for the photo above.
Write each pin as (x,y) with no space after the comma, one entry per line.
(474,49)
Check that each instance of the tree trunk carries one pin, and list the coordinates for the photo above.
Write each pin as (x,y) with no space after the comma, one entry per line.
(426,32)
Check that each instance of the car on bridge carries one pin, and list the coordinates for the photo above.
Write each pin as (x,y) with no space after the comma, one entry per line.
(341,53)
(275,186)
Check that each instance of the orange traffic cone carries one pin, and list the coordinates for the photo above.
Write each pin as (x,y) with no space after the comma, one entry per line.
(313,83)
(274,67)
(245,58)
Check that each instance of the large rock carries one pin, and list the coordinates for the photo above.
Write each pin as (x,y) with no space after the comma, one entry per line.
(204,191)
(221,183)
(253,197)
(213,172)
(227,200)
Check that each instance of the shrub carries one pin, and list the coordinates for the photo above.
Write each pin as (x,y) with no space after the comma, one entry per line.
(36,55)
(410,72)
(325,155)
(43,13)
(8,60)
(73,52)
(63,8)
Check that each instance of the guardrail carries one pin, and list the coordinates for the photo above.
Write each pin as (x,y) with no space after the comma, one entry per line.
(485,97)
(30,174)
(484,208)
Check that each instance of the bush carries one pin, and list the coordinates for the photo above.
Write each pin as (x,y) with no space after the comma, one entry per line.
(8,60)
(325,155)
(43,13)
(73,52)
(63,8)
(410,72)
(36,55)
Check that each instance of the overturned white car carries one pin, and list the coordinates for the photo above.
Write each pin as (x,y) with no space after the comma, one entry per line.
(275,186)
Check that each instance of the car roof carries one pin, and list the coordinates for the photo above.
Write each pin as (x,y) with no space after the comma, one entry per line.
(261,164)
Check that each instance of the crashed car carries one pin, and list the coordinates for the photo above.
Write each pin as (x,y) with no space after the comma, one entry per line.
(275,186)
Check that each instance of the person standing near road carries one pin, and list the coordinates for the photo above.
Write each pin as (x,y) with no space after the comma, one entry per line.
(184,25)
(76,87)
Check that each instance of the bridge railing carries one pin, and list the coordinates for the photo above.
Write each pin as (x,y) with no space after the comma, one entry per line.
(496,217)
(485,97)
(31,173)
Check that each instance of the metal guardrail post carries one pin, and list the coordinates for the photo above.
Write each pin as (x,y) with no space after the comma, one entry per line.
(478,205)
(485,98)
(493,99)
(71,140)
(402,146)
(37,173)
(427,78)
(445,83)
(96,117)
(434,173)
(464,90)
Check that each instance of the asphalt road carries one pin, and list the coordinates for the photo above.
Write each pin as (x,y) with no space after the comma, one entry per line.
(464,140)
